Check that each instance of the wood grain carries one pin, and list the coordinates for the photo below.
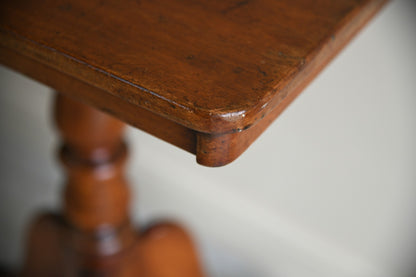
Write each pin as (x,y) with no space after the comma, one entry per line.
(138,117)
(213,68)
(208,76)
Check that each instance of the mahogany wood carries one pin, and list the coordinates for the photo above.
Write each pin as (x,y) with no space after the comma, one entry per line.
(141,118)
(94,237)
(208,76)
(199,74)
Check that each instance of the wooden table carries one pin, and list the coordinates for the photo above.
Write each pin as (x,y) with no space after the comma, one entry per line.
(206,76)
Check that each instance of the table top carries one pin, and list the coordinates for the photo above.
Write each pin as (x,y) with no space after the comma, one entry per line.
(208,76)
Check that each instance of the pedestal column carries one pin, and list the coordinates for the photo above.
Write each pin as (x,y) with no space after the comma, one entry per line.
(93,235)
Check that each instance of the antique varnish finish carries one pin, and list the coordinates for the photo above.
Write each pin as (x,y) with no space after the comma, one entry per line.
(207,76)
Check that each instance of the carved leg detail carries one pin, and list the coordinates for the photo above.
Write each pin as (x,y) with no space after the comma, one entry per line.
(93,236)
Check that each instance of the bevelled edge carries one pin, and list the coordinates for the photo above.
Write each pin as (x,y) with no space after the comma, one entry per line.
(216,150)
(199,119)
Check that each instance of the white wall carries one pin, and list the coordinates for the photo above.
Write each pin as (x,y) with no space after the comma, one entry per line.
(328,190)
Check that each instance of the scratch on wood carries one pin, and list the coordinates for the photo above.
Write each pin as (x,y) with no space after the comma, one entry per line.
(261,71)
(235,6)
(296,58)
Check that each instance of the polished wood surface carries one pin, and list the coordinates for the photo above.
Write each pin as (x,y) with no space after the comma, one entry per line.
(93,236)
(207,76)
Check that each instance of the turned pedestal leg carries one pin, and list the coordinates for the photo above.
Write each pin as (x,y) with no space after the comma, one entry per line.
(93,235)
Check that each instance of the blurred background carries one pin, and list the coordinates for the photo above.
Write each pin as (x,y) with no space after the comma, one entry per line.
(328,190)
